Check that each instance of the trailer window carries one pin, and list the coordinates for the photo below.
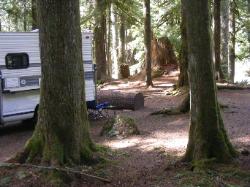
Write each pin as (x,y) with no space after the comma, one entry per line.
(17,61)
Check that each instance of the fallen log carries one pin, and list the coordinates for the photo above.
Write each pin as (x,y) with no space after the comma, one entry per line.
(221,86)
(120,100)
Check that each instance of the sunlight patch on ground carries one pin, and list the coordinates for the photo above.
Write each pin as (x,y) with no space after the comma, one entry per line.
(245,140)
(169,142)
(123,143)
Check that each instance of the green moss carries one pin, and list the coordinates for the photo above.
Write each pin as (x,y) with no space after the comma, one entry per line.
(34,147)
(203,164)
(56,178)
(121,126)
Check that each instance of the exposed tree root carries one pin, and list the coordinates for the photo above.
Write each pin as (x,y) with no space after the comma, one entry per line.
(184,107)
(178,91)
(36,152)
(65,170)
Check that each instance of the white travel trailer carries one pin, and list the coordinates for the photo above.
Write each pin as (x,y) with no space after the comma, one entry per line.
(20,74)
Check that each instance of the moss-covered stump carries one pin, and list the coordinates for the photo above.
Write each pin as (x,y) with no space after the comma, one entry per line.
(120,126)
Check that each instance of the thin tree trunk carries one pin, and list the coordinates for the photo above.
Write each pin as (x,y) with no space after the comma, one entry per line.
(115,68)
(217,40)
(248,8)
(183,76)
(99,38)
(34,14)
(25,15)
(231,65)
(147,40)
(122,39)
(61,135)
(207,136)
(109,60)
(225,32)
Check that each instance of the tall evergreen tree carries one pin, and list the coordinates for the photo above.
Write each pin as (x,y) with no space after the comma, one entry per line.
(225,6)
(147,40)
(34,14)
(217,40)
(100,40)
(183,76)
(231,65)
(61,135)
(207,136)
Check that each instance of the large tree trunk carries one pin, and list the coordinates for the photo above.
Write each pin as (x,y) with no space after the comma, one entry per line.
(99,38)
(207,136)
(224,32)
(231,65)
(217,40)
(183,76)
(147,41)
(61,135)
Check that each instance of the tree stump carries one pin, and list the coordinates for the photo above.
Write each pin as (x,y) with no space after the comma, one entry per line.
(119,100)
(124,69)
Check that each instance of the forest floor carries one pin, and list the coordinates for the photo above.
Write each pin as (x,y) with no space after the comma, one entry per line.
(149,159)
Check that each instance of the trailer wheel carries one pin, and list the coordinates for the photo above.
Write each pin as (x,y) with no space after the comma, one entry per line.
(32,121)
(35,117)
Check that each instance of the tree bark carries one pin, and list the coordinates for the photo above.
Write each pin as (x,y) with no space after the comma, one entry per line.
(61,135)
(231,65)
(183,76)
(115,68)
(147,41)
(248,8)
(122,55)
(99,38)
(34,14)
(207,136)
(25,15)
(217,40)
(108,54)
(224,32)
(119,100)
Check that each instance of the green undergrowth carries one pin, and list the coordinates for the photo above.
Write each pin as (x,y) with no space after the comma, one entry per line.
(216,175)
(32,176)
(120,126)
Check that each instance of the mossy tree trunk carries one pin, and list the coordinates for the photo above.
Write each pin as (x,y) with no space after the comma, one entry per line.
(207,136)
(100,40)
(217,40)
(147,42)
(61,135)
(183,76)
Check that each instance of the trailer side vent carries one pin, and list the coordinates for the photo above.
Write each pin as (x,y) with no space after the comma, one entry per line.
(17,61)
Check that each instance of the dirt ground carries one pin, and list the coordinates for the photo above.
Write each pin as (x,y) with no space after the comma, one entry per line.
(148,159)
